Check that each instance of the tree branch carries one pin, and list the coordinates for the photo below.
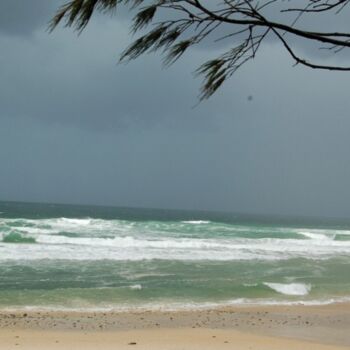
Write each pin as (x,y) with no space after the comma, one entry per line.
(199,20)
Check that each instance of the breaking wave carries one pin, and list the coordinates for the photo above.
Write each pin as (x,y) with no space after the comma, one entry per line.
(196,222)
(290,288)
(15,237)
(97,239)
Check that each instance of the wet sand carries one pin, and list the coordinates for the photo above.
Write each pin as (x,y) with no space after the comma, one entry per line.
(264,327)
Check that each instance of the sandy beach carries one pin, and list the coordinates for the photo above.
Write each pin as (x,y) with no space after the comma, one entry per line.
(268,327)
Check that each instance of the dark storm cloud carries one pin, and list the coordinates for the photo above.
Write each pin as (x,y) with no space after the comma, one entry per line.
(77,127)
(22,17)
(73,82)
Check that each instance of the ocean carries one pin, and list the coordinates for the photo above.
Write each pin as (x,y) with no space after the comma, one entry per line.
(103,258)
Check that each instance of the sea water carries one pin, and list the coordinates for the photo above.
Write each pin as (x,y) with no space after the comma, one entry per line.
(84,257)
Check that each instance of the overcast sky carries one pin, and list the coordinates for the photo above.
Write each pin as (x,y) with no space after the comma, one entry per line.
(76,127)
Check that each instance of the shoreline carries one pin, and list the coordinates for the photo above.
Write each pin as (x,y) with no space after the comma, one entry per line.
(292,326)
(179,307)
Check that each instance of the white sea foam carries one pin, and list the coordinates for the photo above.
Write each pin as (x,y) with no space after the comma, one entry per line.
(196,222)
(130,248)
(79,222)
(135,287)
(97,239)
(290,288)
(317,236)
(325,232)
(176,306)
(92,239)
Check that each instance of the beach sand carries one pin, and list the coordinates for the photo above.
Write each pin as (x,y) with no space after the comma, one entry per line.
(254,328)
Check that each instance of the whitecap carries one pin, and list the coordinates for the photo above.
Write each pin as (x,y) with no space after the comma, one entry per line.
(290,288)
(86,221)
(135,287)
(98,239)
(196,222)
(313,235)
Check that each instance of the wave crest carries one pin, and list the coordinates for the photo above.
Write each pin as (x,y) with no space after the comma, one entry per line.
(290,288)
(15,237)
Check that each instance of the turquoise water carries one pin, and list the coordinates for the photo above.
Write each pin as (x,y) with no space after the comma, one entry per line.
(83,257)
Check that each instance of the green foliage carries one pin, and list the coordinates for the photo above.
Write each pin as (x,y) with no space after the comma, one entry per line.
(78,13)
(144,17)
(143,44)
(185,23)
(177,50)
(164,36)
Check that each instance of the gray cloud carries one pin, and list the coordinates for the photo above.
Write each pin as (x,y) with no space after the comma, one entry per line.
(77,127)
(73,81)
(18,17)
